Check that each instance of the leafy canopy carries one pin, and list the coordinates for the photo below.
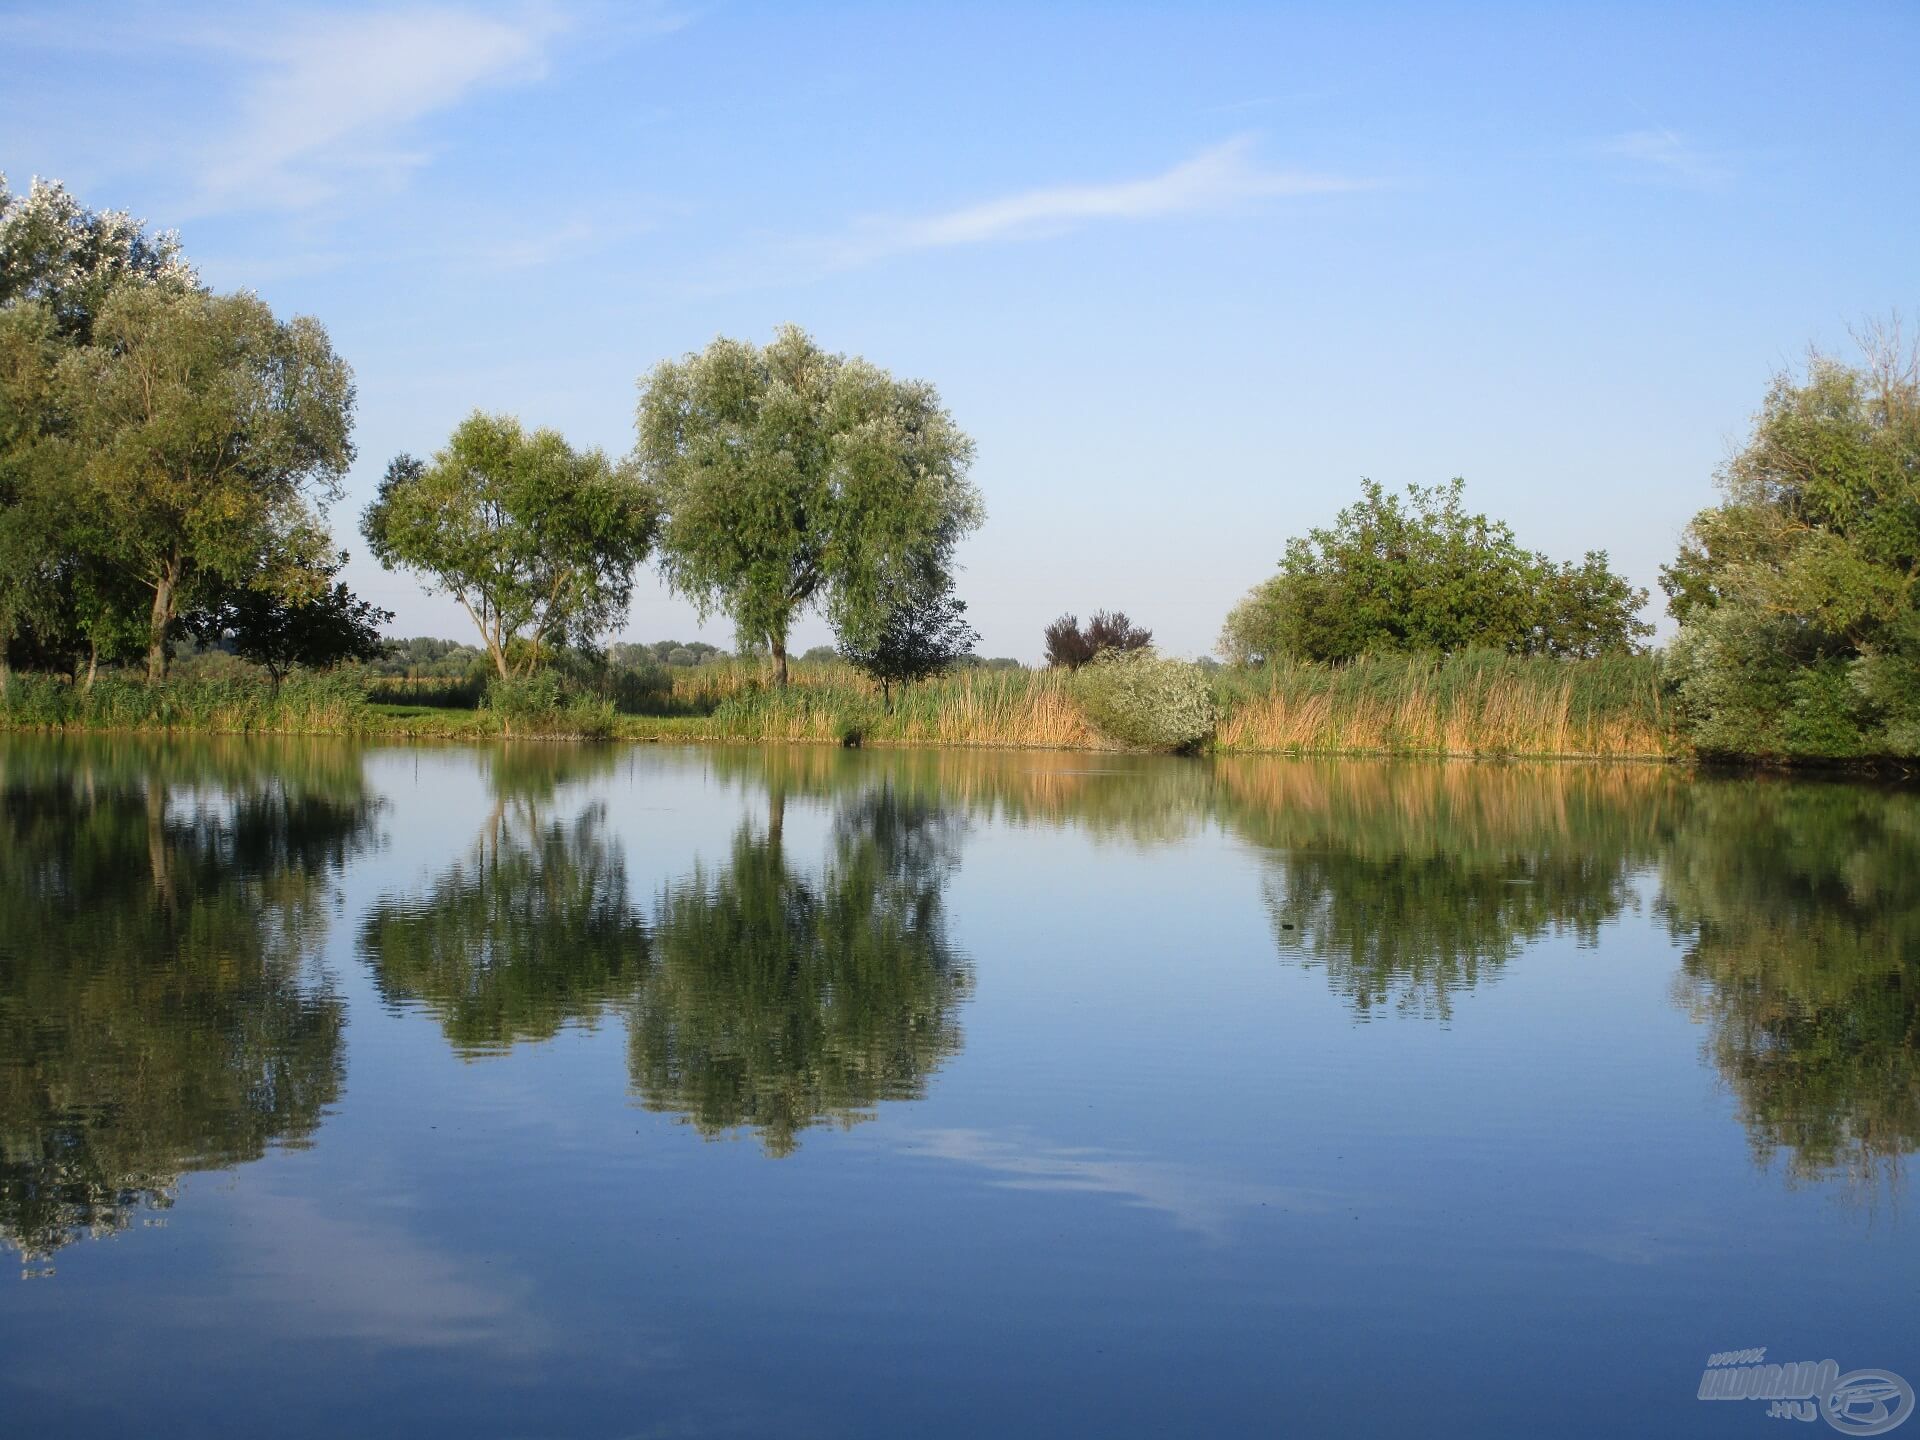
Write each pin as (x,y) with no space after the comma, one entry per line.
(1422,574)
(209,432)
(537,541)
(1798,595)
(792,477)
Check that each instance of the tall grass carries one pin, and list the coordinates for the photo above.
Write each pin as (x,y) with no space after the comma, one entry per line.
(1485,705)
(1473,704)
(308,705)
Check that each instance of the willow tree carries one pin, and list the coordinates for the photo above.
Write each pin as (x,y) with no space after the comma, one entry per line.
(537,541)
(59,263)
(792,478)
(211,433)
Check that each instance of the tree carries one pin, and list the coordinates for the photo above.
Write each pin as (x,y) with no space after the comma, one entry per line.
(1425,575)
(794,478)
(537,541)
(1798,596)
(269,629)
(209,432)
(1069,647)
(925,633)
(59,262)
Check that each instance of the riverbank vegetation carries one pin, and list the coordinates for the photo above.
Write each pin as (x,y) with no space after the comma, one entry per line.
(167,457)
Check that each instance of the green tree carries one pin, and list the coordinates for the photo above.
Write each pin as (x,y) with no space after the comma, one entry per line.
(792,478)
(537,541)
(59,262)
(273,631)
(209,432)
(1424,574)
(925,633)
(1798,596)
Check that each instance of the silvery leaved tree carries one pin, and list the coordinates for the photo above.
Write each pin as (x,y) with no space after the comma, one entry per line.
(793,478)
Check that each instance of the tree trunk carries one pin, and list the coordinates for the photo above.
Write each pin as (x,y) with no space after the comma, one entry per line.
(163,591)
(778,643)
(93,663)
(6,672)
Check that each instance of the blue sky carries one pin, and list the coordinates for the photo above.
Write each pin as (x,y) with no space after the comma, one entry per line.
(1186,273)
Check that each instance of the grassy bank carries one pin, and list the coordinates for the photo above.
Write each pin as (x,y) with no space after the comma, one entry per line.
(1471,706)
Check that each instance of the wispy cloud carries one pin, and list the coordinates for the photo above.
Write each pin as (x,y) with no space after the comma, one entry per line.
(334,99)
(1662,156)
(1219,179)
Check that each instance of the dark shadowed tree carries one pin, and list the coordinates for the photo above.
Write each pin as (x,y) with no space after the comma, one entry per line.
(925,634)
(1069,646)
(277,633)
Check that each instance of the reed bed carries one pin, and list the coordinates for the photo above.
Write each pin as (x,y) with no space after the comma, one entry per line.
(1477,705)
(1470,705)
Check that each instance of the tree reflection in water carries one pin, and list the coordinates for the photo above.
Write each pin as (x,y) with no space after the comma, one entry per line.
(780,999)
(159,906)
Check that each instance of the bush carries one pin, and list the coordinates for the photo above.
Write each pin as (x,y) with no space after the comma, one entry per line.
(543,704)
(1146,701)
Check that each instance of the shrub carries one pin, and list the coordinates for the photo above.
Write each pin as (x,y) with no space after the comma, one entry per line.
(543,704)
(1147,701)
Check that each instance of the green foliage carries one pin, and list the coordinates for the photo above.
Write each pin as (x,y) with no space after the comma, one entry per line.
(1147,701)
(543,703)
(277,633)
(925,633)
(538,542)
(792,477)
(207,431)
(1799,595)
(1424,576)
(333,704)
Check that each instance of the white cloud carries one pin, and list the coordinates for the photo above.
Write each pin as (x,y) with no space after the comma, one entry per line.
(1665,157)
(1220,177)
(331,99)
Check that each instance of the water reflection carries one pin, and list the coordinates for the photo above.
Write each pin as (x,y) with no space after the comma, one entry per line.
(532,930)
(781,999)
(1801,912)
(157,1012)
(1411,885)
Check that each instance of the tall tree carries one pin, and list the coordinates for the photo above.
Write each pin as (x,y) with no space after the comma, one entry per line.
(211,433)
(537,541)
(792,478)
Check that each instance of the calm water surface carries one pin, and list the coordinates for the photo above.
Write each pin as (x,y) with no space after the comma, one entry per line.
(633,1091)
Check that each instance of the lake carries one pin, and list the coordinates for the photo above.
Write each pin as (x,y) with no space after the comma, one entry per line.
(635,1091)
